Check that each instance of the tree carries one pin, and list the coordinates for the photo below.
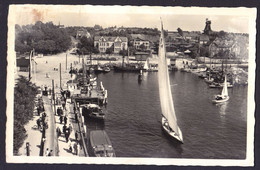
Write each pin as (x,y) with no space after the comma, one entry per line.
(41,37)
(123,52)
(110,50)
(180,32)
(24,94)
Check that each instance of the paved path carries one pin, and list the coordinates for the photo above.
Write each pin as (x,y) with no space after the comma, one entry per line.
(34,138)
(51,137)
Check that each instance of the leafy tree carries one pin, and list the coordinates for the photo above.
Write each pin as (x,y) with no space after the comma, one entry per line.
(44,38)
(180,31)
(24,94)
(110,50)
(86,46)
(123,53)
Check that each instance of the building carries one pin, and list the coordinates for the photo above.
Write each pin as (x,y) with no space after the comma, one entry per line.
(138,43)
(23,64)
(224,46)
(82,33)
(204,39)
(105,42)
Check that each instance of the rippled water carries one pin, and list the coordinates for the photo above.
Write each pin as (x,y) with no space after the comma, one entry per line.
(133,121)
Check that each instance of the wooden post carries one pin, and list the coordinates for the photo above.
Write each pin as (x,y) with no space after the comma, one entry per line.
(60,75)
(53,96)
(70,69)
(66,60)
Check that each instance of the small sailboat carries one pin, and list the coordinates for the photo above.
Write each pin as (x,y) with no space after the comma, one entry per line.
(146,65)
(169,120)
(223,97)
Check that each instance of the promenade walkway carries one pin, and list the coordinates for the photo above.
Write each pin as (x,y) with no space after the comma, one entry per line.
(34,138)
(51,137)
(63,145)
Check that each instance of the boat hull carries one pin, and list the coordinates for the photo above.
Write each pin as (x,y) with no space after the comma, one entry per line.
(221,101)
(171,133)
(126,69)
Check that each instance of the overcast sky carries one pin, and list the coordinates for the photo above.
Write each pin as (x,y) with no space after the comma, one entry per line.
(188,19)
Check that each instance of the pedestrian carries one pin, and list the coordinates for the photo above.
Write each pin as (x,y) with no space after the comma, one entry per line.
(70,147)
(38,110)
(58,111)
(58,132)
(50,153)
(38,123)
(75,148)
(65,120)
(67,136)
(61,119)
(76,117)
(63,104)
(78,148)
(47,152)
(74,109)
(76,135)
(61,111)
(68,131)
(64,129)
(70,128)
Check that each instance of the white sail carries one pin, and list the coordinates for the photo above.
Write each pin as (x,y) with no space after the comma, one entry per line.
(146,65)
(224,90)
(164,87)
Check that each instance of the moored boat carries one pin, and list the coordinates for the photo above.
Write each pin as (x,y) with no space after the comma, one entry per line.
(93,111)
(101,145)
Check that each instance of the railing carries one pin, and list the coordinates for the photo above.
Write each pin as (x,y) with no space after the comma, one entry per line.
(81,129)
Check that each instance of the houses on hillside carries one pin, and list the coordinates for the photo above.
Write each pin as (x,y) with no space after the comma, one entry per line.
(141,44)
(224,46)
(81,33)
(105,42)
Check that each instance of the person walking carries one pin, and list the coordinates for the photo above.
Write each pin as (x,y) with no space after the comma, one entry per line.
(58,132)
(75,148)
(67,136)
(64,129)
(50,153)
(70,128)
(78,148)
(76,135)
(61,119)
(70,147)
(47,152)
(38,123)
(65,120)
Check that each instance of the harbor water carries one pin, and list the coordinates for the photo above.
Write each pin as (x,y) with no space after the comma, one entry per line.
(133,120)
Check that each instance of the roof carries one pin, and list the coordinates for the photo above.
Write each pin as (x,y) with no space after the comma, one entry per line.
(110,38)
(151,38)
(22,62)
(139,39)
(204,37)
(72,81)
(99,137)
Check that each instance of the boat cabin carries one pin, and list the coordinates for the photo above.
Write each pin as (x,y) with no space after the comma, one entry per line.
(101,145)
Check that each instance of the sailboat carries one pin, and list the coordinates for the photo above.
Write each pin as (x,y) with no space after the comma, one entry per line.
(223,97)
(146,65)
(169,120)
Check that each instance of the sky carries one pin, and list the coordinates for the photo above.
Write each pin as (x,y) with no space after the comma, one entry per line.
(186,18)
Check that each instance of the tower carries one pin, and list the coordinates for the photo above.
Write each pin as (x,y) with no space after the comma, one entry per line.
(207,29)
